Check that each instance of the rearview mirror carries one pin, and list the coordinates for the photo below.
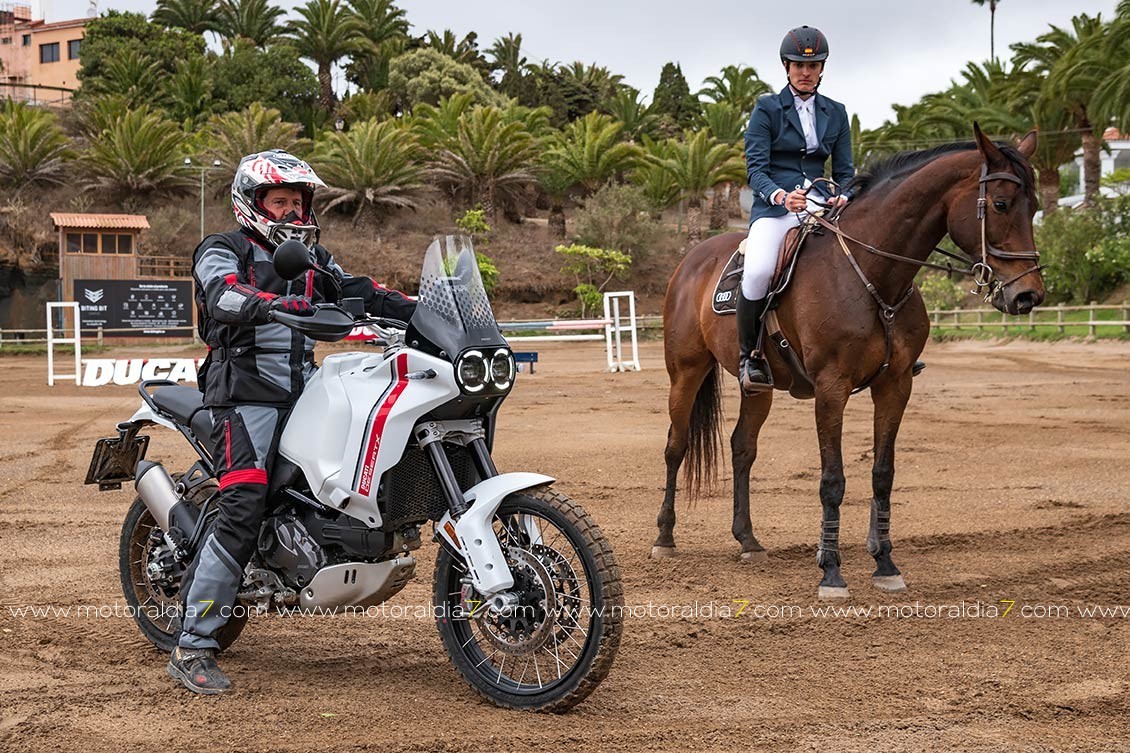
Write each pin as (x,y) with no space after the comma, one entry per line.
(292,259)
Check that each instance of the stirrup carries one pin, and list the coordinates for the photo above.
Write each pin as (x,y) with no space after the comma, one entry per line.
(750,386)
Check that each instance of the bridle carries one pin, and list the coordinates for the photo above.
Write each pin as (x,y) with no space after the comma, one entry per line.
(982,273)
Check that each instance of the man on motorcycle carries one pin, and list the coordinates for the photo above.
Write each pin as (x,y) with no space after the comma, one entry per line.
(254,372)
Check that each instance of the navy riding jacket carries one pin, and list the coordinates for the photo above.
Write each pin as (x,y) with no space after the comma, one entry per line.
(776,154)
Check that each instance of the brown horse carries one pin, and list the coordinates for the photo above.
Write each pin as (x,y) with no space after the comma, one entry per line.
(981,194)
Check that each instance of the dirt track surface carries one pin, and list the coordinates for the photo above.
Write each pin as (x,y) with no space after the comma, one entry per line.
(1011,484)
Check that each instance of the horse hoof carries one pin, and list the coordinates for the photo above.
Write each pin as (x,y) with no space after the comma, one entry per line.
(756,557)
(662,552)
(826,593)
(892,584)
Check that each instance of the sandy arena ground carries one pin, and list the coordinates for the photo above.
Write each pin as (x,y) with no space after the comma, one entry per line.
(1012,481)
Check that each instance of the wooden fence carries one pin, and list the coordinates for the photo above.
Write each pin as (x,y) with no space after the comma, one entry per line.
(1050,318)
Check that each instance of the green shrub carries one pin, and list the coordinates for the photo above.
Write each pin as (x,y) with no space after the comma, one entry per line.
(588,265)
(939,291)
(1087,250)
(488,270)
(617,216)
(473,222)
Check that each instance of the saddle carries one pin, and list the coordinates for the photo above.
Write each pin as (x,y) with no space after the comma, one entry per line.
(726,290)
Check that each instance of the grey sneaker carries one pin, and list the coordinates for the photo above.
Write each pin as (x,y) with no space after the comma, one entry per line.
(197,670)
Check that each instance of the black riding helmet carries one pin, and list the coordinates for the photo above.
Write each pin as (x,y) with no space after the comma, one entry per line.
(804,43)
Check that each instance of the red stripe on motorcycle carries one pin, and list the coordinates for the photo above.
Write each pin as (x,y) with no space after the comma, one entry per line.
(374,445)
(310,283)
(246,476)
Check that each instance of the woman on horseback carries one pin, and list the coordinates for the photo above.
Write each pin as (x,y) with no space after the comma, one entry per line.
(790,136)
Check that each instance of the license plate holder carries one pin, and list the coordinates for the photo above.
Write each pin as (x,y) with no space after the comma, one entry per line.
(115,459)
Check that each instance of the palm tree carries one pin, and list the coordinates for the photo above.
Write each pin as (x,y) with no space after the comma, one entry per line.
(506,58)
(727,124)
(1112,97)
(384,28)
(139,154)
(488,161)
(189,91)
(197,16)
(135,76)
(256,20)
(33,148)
(992,25)
(652,178)
(591,151)
(326,32)
(738,85)
(234,135)
(586,88)
(1074,66)
(628,108)
(438,125)
(697,165)
(465,50)
(374,165)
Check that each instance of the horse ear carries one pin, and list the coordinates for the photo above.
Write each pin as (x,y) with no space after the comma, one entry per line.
(1027,145)
(989,150)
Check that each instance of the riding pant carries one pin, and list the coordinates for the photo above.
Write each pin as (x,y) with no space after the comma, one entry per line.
(765,236)
(246,439)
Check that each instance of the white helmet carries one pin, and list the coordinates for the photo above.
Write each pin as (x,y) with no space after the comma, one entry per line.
(275,169)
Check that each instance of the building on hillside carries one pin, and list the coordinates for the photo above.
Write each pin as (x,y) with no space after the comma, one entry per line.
(39,61)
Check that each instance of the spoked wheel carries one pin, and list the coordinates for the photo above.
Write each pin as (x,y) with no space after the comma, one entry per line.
(547,643)
(151,578)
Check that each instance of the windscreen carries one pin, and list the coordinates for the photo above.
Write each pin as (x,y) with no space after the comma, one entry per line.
(452,309)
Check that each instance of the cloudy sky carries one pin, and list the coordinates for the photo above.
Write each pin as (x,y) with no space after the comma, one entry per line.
(881,51)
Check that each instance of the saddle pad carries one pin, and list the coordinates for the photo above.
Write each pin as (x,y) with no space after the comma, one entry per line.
(726,290)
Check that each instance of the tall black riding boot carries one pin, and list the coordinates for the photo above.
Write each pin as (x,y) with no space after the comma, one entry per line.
(754,375)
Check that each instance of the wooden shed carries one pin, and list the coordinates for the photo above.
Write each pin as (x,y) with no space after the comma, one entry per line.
(97,247)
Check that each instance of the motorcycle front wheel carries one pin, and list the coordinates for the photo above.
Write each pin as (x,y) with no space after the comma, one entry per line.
(555,640)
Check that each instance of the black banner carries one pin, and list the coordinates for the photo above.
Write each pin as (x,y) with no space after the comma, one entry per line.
(132,308)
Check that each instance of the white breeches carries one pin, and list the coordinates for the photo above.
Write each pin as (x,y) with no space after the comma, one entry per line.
(761,247)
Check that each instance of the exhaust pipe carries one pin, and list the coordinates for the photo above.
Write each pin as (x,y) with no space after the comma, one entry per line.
(158,491)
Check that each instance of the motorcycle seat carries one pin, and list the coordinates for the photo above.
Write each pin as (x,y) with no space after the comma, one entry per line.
(179,402)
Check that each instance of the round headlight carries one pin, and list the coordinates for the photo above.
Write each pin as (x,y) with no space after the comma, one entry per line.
(502,369)
(472,372)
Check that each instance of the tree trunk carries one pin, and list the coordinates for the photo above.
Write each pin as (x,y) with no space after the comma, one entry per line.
(718,208)
(1049,189)
(734,201)
(1092,163)
(694,223)
(326,85)
(557,220)
(993,30)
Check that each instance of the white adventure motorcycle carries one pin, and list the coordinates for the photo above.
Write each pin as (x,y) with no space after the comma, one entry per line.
(527,594)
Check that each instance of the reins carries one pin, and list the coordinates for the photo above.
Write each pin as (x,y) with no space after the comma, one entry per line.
(980,271)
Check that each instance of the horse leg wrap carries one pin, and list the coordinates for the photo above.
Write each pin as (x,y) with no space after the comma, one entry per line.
(880,533)
(828,553)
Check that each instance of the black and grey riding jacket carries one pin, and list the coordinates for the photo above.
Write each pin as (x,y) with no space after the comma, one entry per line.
(252,361)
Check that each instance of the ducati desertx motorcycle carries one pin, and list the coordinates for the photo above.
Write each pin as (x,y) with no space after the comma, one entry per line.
(527,594)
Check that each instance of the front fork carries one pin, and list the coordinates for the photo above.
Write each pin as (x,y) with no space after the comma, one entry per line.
(467,527)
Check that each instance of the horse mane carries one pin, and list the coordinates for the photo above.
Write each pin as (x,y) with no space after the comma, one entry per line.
(902,164)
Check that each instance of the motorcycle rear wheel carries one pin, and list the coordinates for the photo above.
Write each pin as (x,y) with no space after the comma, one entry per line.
(558,643)
(156,608)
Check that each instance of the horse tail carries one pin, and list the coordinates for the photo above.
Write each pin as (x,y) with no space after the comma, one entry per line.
(704,436)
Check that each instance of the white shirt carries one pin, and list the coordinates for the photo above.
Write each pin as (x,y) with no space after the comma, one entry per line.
(806,109)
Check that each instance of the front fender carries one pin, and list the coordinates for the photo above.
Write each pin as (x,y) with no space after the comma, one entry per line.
(473,534)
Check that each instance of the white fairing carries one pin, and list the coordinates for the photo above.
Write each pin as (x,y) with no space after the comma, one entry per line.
(355,418)
(475,530)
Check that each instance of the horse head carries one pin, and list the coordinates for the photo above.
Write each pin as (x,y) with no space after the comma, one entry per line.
(991,220)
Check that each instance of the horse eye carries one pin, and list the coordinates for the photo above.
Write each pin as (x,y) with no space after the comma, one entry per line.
(1000,206)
